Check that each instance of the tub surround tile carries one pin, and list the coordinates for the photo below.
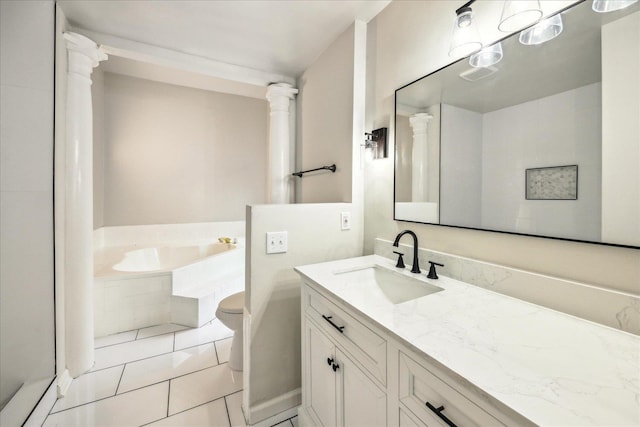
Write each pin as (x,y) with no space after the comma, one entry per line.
(212,414)
(223,349)
(234,406)
(208,333)
(114,355)
(90,387)
(608,307)
(129,409)
(114,339)
(203,386)
(166,366)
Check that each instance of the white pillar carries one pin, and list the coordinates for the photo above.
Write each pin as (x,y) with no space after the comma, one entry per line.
(279,96)
(83,56)
(419,157)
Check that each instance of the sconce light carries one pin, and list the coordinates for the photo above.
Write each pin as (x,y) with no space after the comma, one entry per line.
(465,38)
(377,140)
(487,57)
(543,31)
(517,14)
(604,6)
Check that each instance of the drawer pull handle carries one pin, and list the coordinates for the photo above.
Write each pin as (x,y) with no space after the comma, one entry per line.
(328,319)
(329,361)
(439,413)
(335,367)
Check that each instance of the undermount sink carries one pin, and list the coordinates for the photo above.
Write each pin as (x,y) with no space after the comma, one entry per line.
(396,287)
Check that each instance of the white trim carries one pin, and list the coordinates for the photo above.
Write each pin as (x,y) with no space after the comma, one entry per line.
(284,406)
(42,409)
(124,48)
(64,381)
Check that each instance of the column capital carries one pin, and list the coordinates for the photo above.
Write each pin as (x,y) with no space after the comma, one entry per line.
(279,95)
(81,44)
(419,121)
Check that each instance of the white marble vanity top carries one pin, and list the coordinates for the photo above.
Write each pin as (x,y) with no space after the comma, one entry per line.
(550,367)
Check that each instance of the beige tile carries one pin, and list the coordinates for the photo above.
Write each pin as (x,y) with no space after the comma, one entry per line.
(114,339)
(208,333)
(131,351)
(130,409)
(203,386)
(166,366)
(212,414)
(223,349)
(166,328)
(234,406)
(89,388)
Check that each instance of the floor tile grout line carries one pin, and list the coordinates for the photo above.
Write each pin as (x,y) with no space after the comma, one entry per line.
(189,409)
(226,406)
(173,378)
(215,348)
(168,398)
(121,376)
(108,397)
(137,333)
(206,342)
(134,340)
(155,355)
(130,361)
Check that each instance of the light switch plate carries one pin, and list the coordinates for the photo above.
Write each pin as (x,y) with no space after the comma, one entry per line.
(345,220)
(276,242)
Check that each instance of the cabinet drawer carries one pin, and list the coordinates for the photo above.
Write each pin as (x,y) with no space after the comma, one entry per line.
(365,345)
(417,386)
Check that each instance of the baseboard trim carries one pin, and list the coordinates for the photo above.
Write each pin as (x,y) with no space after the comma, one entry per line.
(275,410)
(64,382)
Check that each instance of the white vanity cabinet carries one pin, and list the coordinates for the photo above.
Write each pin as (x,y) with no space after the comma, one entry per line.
(355,375)
(339,388)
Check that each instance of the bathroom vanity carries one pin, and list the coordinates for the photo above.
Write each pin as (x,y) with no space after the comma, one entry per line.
(382,346)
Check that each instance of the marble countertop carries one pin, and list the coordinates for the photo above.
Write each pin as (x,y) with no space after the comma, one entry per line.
(550,367)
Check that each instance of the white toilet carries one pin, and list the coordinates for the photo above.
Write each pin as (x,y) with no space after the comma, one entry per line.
(230,314)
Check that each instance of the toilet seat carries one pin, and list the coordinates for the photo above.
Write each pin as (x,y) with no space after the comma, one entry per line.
(233,304)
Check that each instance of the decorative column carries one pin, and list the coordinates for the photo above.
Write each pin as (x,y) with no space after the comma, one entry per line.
(279,96)
(419,157)
(83,56)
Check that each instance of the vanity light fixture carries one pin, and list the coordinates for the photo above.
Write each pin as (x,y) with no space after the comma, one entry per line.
(487,57)
(543,31)
(465,38)
(604,6)
(377,140)
(517,14)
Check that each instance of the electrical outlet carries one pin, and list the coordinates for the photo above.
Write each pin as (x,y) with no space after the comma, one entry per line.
(345,220)
(276,242)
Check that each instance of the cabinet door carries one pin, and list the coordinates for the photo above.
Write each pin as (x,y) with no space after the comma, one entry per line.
(360,400)
(320,386)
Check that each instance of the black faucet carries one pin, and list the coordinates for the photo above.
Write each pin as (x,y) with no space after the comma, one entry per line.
(415,268)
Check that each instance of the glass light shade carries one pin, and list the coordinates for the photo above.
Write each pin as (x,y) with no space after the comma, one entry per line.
(488,56)
(465,38)
(543,31)
(517,14)
(604,6)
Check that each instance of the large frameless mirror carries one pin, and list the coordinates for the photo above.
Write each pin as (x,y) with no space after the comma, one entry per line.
(544,142)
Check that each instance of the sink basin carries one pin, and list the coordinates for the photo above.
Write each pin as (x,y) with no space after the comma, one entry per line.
(395,287)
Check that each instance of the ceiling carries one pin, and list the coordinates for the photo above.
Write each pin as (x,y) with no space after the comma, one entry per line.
(276,36)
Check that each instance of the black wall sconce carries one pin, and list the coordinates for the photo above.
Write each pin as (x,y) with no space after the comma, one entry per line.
(377,140)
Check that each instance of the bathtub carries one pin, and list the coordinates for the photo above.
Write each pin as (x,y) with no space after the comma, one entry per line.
(137,285)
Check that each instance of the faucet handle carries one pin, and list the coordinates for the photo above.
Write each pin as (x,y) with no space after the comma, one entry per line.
(400,263)
(432,270)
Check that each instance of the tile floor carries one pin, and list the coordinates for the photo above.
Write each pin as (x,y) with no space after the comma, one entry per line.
(166,375)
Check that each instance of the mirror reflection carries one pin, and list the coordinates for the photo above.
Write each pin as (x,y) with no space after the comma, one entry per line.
(536,135)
